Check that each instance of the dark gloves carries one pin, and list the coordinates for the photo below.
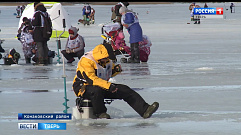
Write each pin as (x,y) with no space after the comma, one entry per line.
(113,88)
(117,68)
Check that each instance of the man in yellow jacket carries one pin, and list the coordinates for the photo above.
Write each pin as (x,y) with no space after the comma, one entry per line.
(93,71)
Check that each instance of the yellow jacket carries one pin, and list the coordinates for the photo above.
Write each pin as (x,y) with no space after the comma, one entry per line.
(86,72)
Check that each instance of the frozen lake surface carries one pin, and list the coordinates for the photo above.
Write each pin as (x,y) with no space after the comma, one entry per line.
(194,72)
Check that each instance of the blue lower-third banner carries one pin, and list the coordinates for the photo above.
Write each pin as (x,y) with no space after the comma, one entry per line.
(51,126)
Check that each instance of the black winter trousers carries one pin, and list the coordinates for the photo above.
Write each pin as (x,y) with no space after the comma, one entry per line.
(69,56)
(135,52)
(42,52)
(97,95)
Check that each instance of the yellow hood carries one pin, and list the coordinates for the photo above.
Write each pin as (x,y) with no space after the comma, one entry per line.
(100,52)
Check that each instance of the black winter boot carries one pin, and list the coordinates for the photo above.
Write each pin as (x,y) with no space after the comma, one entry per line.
(46,61)
(150,110)
(40,62)
(103,116)
(137,53)
(1,49)
(28,60)
(131,59)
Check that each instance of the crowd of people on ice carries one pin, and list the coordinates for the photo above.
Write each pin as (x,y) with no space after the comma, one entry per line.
(33,37)
(34,33)
(96,67)
(140,44)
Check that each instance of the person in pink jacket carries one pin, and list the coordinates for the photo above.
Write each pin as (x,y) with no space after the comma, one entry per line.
(120,43)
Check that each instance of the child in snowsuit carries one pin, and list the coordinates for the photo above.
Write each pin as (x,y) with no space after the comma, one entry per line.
(74,46)
(29,46)
(120,43)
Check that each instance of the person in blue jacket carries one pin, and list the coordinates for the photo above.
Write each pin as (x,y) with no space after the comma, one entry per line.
(130,21)
(86,11)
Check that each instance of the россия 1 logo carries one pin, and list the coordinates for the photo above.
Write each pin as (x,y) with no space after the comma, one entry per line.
(208,11)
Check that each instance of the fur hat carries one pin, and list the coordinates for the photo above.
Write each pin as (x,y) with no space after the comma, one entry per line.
(122,10)
(36,4)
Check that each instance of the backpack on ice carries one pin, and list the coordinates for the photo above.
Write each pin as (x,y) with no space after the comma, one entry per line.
(144,47)
(47,31)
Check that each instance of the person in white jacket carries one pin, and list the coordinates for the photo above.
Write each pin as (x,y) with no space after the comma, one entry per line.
(74,46)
